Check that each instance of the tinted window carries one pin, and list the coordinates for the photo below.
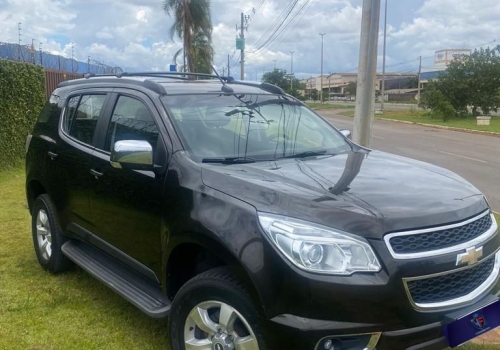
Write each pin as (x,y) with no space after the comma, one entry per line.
(81,122)
(131,120)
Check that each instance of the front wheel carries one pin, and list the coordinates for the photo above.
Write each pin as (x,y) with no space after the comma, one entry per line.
(213,311)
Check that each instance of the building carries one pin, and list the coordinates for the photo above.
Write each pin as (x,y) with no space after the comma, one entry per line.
(336,83)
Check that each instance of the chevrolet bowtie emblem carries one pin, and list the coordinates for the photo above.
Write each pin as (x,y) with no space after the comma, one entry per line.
(470,257)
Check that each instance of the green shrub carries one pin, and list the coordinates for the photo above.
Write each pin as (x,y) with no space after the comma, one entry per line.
(22,96)
(440,107)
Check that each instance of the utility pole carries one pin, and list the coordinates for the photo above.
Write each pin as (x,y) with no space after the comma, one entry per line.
(321,77)
(72,56)
(274,64)
(223,71)
(243,27)
(32,51)
(291,71)
(365,111)
(419,74)
(41,56)
(19,44)
(88,64)
(228,66)
(383,61)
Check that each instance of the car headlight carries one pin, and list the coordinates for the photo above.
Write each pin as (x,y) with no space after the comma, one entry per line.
(319,249)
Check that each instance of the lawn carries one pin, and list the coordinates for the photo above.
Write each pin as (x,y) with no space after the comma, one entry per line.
(315,105)
(39,311)
(424,118)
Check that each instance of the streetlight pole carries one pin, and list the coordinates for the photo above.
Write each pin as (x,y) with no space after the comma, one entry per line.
(321,77)
(291,72)
(383,61)
(365,109)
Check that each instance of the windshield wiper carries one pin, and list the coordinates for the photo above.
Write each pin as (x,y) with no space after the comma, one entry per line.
(229,160)
(306,154)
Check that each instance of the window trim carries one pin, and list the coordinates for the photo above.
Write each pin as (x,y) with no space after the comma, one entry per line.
(66,133)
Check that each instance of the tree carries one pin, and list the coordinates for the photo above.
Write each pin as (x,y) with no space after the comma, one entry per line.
(412,83)
(434,100)
(279,77)
(193,25)
(351,88)
(473,81)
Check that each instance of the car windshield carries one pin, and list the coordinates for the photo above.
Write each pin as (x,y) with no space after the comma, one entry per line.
(251,127)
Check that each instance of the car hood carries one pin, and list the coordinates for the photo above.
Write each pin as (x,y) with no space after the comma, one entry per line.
(363,192)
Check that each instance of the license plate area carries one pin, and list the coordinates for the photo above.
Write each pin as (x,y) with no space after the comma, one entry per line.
(472,325)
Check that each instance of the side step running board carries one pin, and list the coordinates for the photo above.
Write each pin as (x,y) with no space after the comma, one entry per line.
(142,293)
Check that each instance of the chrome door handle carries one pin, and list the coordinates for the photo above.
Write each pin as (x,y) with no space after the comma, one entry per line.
(52,155)
(95,173)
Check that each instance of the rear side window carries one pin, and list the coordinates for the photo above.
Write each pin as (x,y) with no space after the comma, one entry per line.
(131,120)
(82,114)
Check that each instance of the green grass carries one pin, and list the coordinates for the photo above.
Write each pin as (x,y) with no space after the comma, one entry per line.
(423,118)
(39,311)
(329,106)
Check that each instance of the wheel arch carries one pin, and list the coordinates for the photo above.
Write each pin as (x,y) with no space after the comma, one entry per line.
(190,258)
(34,189)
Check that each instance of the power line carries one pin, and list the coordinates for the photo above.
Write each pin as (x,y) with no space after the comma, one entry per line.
(263,41)
(287,24)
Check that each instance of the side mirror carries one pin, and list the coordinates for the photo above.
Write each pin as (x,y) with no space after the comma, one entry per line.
(346,133)
(132,154)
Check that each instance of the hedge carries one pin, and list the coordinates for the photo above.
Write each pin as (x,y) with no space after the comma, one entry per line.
(22,96)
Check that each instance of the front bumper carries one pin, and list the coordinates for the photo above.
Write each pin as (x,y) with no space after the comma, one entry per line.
(292,332)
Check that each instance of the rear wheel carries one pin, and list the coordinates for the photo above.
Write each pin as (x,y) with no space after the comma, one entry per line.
(47,236)
(214,312)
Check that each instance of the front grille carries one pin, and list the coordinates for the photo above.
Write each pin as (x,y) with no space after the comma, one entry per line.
(451,286)
(428,241)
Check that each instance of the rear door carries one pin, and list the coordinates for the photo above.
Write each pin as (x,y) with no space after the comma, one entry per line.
(126,203)
(70,157)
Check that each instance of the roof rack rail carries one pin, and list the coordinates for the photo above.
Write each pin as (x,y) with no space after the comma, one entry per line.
(172,74)
(264,86)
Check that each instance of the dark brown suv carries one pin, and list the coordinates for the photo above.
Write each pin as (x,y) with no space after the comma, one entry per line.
(254,224)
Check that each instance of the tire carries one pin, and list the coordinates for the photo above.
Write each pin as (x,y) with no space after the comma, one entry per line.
(48,246)
(207,295)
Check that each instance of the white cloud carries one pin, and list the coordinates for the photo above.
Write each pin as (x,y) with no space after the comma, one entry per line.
(134,33)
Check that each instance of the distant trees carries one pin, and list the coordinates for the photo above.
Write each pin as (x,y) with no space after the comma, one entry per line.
(280,78)
(468,82)
(351,88)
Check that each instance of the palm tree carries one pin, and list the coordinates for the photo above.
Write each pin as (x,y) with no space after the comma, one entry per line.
(192,21)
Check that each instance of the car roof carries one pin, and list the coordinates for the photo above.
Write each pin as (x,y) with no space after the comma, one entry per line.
(167,83)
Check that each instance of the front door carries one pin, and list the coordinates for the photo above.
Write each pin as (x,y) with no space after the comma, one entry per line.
(126,203)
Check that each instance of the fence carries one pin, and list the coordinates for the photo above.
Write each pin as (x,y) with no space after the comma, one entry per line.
(54,77)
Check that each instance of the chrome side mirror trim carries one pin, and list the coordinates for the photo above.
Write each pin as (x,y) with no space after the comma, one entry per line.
(133,154)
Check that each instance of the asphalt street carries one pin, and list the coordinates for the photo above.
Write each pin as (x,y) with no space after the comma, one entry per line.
(472,156)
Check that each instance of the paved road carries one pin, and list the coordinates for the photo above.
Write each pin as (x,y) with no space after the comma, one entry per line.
(474,157)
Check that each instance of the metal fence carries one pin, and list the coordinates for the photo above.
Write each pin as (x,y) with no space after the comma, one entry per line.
(28,53)
(54,77)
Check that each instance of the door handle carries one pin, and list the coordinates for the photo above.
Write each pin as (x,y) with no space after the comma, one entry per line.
(52,155)
(95,173)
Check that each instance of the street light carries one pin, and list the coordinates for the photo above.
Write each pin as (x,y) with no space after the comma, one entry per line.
(291,72)
(383,61)
(321,77)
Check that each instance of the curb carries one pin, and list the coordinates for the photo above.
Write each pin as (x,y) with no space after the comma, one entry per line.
(470,131)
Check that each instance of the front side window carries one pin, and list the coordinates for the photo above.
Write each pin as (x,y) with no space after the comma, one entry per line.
(131,120)
(82,114)
(263,127)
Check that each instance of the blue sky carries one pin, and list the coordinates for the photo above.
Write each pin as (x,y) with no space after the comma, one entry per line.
(134,33)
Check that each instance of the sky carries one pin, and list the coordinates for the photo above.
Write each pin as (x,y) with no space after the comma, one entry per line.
(134,34)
